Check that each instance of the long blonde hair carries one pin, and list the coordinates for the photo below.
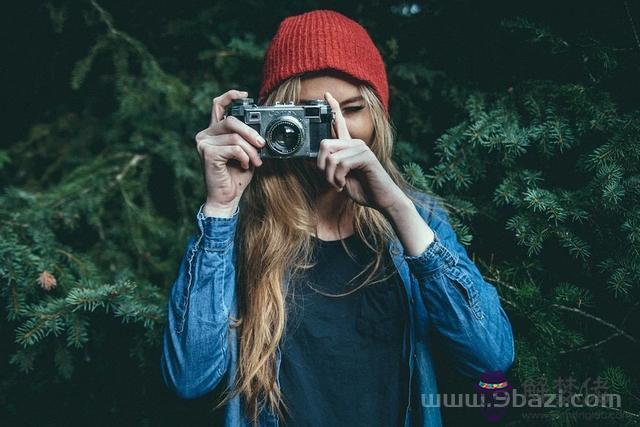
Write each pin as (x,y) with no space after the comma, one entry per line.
(275,229)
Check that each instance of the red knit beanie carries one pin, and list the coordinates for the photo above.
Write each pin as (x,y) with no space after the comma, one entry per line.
(320,40)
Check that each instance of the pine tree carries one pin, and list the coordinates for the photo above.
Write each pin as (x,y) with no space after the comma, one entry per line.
(529,131)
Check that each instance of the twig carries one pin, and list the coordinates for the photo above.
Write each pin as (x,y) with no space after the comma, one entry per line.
(593,345)
(596,318)
(610,337)
(106,18)
(511,303)
(104,15)
(571,309)
(17,224)
(633,26)
(632,414)
(626,316)
(500,282)
(134,161)
(71,256)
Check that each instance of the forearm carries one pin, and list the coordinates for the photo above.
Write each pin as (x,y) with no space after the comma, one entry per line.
(411,229)
(468,316)
(463,308)
(195,355)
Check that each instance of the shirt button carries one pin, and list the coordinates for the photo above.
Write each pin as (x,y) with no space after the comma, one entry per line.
(395,251)
(415,356)
(411,300)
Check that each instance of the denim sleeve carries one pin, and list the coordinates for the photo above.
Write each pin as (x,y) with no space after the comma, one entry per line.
(194,350)
(464,309)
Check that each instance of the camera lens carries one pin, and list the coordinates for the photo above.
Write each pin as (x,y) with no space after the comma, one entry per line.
(284,137)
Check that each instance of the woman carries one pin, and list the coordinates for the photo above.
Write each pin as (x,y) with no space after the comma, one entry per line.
(314,289)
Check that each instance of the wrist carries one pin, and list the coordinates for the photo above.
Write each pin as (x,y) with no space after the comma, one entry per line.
(219,210)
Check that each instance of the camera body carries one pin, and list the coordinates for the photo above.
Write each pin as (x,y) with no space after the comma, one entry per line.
(289,130)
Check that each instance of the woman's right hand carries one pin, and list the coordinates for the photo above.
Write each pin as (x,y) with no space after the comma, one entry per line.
(228,149)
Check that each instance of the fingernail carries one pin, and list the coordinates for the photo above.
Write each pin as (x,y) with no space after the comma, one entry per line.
(261,140)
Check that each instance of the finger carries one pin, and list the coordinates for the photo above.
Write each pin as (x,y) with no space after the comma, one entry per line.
(347,165)
(235,139)
(326,147)
(221,102)
(340,123)
(329,146)
(231,139)
(224,153)
(337,160)
(234,125)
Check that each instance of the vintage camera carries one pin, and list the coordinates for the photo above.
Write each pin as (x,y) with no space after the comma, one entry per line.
(289,130)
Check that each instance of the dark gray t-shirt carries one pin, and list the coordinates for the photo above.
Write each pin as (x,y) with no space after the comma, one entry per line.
(342,361)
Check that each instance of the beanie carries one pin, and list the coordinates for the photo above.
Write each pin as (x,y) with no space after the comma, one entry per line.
(323,40)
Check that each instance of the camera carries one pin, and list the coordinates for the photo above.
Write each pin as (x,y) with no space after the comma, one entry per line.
(289,130)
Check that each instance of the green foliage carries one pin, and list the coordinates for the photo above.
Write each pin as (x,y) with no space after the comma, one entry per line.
(537,159)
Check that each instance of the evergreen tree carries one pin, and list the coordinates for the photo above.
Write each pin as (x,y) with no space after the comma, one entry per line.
(525,119)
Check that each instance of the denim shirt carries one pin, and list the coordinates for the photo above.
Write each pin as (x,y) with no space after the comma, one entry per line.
(445,291)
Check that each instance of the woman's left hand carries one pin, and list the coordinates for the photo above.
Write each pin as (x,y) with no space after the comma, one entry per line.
(350,165)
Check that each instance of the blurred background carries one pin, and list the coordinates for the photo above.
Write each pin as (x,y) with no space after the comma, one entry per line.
(525,116)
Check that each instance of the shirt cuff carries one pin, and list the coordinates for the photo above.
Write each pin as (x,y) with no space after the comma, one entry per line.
(217,232)
(432,259)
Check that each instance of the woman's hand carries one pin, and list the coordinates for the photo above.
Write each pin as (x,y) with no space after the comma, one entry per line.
(228,149)
(349,164)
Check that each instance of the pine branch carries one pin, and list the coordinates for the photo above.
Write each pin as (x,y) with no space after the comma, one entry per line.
(593,345)
(597,319)
(619,331)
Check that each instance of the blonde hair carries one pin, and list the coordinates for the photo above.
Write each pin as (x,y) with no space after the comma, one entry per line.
(275,230)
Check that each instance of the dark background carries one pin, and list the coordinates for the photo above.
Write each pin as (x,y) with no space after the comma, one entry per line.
(446,50)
